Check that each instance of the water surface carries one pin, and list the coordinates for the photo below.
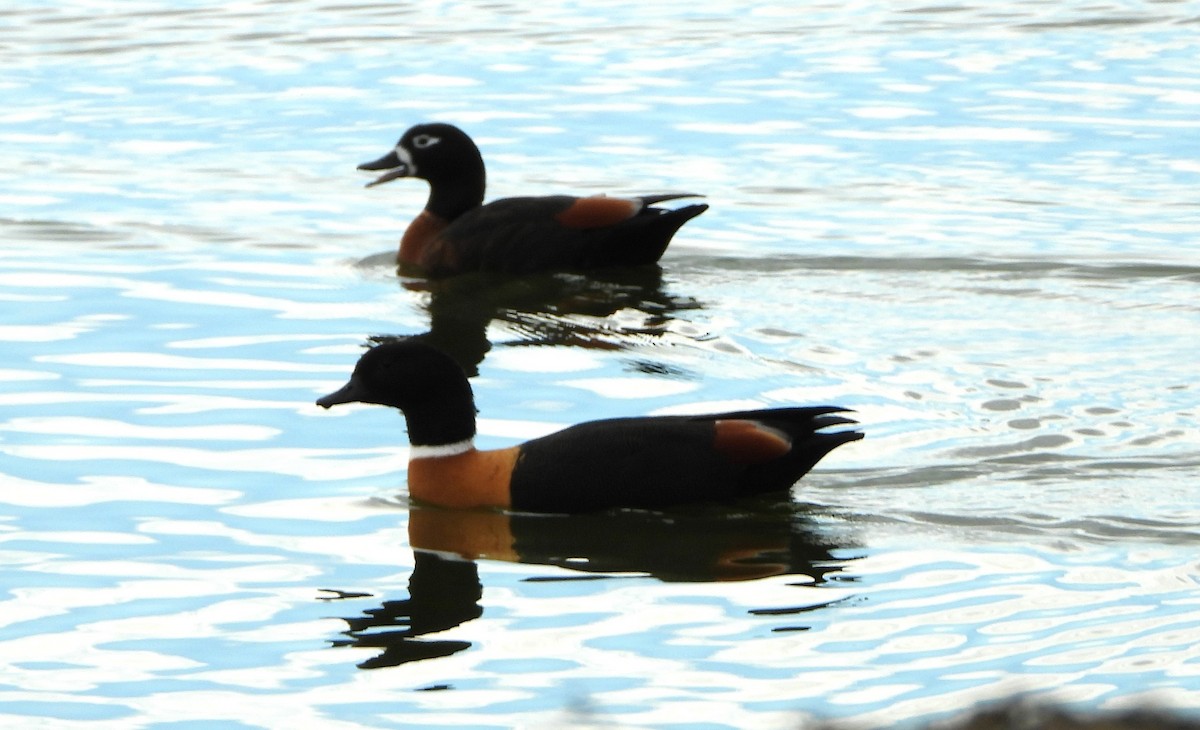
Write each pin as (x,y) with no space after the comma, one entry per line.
(975,225)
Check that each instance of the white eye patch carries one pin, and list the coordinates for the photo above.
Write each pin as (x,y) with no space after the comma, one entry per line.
(421,141)
(406,158)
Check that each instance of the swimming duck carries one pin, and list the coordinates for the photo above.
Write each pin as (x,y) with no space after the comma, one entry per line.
(456,232)
(645,462)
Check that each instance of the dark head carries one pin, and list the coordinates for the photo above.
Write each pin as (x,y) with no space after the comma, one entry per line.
(423,382)
(439,153)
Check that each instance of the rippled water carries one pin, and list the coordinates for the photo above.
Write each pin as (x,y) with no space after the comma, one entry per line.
(974,224)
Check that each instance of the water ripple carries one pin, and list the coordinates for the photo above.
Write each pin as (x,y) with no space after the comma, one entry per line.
(970,223)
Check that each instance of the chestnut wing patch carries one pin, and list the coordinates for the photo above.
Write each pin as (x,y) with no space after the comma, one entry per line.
(598,211)
(749,442)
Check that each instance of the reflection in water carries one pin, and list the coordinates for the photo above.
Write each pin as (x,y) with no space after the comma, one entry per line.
(754,539)
(443,593)
(545,309)
(750,540)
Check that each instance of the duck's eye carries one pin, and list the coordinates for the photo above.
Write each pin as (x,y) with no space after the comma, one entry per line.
(421,141)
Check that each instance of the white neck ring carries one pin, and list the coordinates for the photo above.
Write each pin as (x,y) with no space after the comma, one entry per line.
(441,450)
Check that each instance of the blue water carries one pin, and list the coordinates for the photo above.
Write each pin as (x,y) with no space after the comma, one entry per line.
(976,225)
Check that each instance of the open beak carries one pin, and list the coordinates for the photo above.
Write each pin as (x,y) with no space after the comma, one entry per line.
(391,162)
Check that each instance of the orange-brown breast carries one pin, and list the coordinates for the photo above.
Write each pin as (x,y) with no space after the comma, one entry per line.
(420,236)
(474,479)
(749,442)
(598,211)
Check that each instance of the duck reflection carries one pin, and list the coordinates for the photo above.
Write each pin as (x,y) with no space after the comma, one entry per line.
(607,309)
(703,543)
(443,593)
(698,543)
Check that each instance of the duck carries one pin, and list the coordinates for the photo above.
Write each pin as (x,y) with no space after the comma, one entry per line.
(639,462)
(457,233)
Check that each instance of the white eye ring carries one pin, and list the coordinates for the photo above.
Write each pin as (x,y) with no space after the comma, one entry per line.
(421,141)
